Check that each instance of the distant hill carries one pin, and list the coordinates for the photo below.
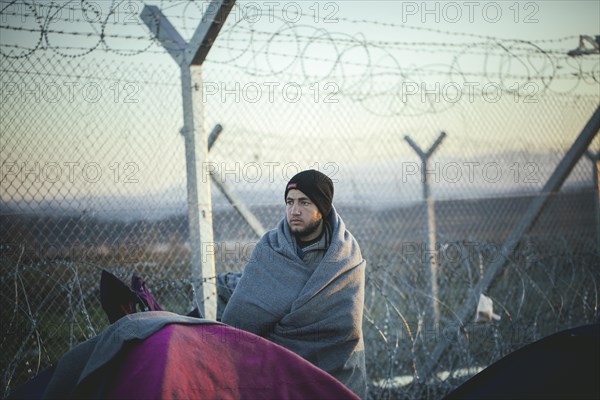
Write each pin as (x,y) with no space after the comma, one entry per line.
(568,214)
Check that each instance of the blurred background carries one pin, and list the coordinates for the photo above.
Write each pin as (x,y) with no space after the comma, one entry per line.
(492,95)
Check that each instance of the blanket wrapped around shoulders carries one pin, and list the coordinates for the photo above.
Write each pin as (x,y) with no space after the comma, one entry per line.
(315,312)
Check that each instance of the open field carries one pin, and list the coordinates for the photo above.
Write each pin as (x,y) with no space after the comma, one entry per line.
(51,271)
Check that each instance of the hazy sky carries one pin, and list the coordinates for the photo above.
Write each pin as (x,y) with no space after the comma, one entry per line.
(375,54)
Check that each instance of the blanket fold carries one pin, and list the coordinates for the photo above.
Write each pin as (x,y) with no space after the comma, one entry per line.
(75,373)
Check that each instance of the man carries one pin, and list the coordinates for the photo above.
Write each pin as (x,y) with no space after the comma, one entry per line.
(303,286)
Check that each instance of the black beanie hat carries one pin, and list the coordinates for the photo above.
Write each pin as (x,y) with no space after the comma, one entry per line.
(316,185)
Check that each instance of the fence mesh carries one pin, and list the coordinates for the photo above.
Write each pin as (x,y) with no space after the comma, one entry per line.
(94,174)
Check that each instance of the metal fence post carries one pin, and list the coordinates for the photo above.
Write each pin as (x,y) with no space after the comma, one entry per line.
(230,194)
(561,172)
(595,159)
(429,234)
(189,57)
(199,194)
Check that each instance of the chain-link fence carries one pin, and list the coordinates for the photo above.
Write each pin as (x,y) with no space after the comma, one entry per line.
(94,174)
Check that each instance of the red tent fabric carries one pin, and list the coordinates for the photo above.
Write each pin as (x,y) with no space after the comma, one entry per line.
(213,361)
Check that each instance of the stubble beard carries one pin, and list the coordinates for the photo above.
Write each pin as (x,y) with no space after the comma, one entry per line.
(308,230)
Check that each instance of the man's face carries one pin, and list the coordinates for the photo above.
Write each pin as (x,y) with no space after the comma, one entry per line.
(303,216)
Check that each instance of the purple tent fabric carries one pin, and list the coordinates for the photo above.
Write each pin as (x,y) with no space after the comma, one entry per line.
(161,355)
(213,361)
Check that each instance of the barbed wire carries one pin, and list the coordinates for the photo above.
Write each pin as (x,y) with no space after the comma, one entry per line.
(398,343)
(45,47)
(317,35)
(363,69)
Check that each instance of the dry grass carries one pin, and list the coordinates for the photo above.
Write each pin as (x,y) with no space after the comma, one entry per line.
(49,306)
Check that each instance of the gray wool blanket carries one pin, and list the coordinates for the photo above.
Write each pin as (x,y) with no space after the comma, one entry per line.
(314,312)
(76,373)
